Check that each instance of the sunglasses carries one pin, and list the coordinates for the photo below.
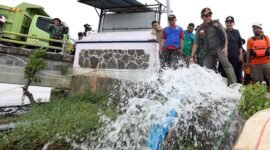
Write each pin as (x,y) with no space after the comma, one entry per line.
(256,28)
(171,19)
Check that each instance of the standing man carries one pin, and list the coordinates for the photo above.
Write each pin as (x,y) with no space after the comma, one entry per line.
(57,31)
(235,54)
(258,55)
(188,42)
(171,45)
(212,36)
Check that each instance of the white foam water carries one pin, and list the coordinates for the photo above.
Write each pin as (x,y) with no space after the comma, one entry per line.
(194,93)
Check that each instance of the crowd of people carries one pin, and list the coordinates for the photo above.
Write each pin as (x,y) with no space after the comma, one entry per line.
(216,47)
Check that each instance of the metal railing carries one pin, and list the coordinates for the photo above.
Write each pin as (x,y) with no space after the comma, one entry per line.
(63,42)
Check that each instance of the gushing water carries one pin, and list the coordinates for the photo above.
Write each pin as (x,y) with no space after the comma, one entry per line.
(199,97)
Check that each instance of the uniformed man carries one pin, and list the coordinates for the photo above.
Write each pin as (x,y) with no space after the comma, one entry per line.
(57,31)
(211,35)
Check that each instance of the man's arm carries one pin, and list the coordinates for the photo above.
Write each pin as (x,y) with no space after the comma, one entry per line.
(161,45)
(240,45)
(194,51)
(182,36)
(182,46)
(249,48)
(248,56)
(195,47)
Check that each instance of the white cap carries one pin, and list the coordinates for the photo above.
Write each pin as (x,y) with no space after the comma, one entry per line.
(2,19)
(257,24)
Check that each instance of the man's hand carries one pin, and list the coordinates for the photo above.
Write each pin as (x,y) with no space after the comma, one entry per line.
(241,58)
(191,60)
(225,51)
(181,52)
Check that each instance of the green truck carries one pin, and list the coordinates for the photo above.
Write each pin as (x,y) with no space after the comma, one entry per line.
(27,25)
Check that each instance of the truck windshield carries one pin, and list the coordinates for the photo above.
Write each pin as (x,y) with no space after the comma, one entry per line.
(43,24)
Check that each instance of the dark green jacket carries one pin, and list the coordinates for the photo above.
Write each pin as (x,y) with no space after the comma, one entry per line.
(211,37)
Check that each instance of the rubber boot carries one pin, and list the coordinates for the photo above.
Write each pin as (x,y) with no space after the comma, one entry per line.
(230,75)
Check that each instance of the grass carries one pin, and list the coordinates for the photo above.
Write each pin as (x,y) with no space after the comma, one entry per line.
(254,99)
(72,118)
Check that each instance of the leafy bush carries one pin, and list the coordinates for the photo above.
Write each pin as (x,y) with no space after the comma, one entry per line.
(253,100)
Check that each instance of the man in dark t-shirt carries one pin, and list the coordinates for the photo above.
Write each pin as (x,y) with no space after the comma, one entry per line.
(235,54)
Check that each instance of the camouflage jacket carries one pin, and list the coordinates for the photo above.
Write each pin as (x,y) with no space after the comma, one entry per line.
(57,31)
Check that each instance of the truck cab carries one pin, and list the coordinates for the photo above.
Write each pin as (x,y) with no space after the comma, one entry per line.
(27,25)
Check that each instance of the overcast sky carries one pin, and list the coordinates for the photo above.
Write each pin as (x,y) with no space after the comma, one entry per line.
(244,11)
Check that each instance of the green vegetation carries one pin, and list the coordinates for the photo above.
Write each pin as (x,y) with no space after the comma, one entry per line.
(73,118)
(35,63)
(253,100)
(64,70)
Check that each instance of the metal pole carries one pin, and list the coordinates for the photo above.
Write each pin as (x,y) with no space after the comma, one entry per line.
(168,7)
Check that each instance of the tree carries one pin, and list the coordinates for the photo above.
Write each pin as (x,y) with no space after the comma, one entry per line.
(35,63)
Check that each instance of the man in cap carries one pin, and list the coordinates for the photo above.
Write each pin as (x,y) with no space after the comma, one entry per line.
(188,42)
(57,31)
(212,37)
(171,45)
(258,54)
(235,54)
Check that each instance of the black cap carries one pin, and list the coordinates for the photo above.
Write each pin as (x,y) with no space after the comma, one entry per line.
(229,18)
(206,11)
(57,19)
(171,16)
(80,34)
(191,25)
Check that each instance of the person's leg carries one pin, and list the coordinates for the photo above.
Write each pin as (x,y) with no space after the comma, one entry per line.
(186,60)
(257,73)
(164,59)
(221,70)
(210,61)
(175,59)
(237,68)
(227,67)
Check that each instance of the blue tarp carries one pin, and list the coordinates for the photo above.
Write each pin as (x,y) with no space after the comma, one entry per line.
(159,131)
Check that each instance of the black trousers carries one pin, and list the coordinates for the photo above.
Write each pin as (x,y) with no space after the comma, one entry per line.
(237,67)
(170,58)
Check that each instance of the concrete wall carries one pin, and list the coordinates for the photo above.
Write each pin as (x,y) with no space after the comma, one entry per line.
(104,58)
(12,62)
(118,58)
